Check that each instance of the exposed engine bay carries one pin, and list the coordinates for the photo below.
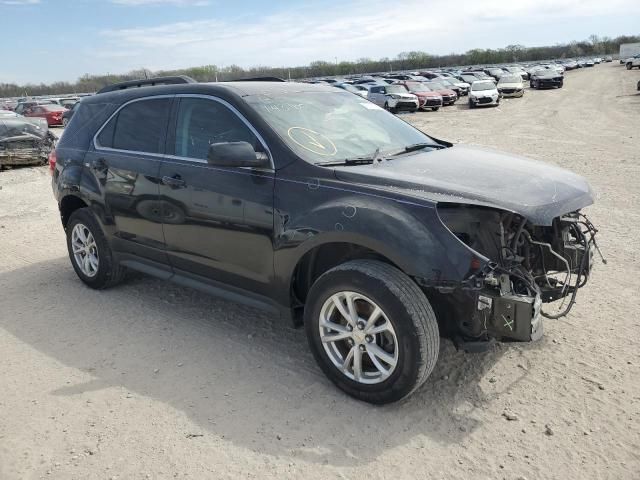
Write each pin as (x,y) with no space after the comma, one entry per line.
(528,266)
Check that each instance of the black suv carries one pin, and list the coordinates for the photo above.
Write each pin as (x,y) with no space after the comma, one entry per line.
(320,206)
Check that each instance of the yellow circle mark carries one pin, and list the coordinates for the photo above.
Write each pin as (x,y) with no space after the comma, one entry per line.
(313,141)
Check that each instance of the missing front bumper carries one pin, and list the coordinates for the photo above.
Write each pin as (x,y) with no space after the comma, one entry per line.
(512,317)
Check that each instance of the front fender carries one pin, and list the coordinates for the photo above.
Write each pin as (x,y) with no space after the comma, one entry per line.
(407,233)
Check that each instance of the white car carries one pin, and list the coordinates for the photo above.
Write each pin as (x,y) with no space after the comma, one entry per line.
(511,85)
(633,62)
(483,93)
(393,98)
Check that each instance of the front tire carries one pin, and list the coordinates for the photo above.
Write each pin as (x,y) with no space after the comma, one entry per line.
(89,251)
(435,109)
(629,66)
(371,330)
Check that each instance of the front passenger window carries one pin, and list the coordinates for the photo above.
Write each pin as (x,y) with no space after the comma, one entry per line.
(202,122)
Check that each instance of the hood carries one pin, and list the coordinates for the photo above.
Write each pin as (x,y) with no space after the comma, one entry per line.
(483,93)
(479,176)
(428,94)
(12,129)
(510,85)
(446,91)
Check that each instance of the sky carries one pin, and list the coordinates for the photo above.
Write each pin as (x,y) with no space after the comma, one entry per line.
(60,40)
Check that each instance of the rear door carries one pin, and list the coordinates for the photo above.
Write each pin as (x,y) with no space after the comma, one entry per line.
(218,221)
(125,164)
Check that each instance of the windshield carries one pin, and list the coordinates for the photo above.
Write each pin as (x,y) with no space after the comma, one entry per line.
(396,89)
(483,86)
(438,86)
(510,79)
(417,87)
(334,126)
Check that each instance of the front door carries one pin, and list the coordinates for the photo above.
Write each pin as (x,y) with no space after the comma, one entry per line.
(218,221)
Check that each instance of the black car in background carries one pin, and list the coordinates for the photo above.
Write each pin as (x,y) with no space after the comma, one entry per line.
(317,205)
(546,79)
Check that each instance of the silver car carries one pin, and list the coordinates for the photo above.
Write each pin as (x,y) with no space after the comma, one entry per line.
(393,98)
(511,86)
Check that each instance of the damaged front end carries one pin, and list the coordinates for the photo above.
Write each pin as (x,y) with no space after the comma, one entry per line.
(24,141)
(519,267)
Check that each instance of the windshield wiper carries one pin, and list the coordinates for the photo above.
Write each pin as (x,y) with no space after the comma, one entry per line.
(414,147)
(375,157)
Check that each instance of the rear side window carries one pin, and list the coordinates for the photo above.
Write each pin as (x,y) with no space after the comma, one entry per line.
(138,127)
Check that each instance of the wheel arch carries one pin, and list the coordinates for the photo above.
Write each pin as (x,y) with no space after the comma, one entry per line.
(69,204)
(321,257)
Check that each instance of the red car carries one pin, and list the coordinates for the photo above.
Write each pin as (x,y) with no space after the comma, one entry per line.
(52,113)
(449,96)
(427,98)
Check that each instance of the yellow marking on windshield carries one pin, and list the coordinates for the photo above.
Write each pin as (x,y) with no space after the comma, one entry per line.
(312,141)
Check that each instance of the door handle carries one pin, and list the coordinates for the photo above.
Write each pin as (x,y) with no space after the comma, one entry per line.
(174,182)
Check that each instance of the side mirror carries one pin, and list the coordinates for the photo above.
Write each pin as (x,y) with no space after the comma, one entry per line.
(236,154)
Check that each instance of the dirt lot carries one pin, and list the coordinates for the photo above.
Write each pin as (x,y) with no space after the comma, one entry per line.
(150,380)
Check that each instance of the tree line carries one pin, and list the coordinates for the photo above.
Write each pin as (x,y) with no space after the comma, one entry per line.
(414,60)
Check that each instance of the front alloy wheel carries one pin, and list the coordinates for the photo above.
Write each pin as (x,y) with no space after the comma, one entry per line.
(372,330)
(358,337)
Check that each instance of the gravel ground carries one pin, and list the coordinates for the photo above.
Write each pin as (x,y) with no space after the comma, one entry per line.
(150,380)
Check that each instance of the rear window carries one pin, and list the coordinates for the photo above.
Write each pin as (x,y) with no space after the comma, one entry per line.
(138,127)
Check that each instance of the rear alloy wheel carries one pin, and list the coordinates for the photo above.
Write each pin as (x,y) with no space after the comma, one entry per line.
(371,330)
(90,254)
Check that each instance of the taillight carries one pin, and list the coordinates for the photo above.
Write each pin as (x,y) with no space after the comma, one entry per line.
(52,161)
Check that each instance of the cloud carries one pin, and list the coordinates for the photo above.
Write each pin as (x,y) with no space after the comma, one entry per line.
(375,28)
(19,2)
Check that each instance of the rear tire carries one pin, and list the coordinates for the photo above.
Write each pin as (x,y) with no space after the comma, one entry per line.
(395,352)
(90,253)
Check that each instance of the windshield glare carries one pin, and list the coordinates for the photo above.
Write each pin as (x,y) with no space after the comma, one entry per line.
(483,86)
(326,127)
(418,87)
(510,79)
(396,89)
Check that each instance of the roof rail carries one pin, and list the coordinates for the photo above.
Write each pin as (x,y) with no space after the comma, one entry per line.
(259,79)
(146,82)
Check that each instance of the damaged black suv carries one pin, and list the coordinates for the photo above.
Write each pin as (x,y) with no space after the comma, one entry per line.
(318,205)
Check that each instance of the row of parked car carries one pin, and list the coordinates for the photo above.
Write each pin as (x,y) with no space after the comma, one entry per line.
(430,90)
(55,110)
